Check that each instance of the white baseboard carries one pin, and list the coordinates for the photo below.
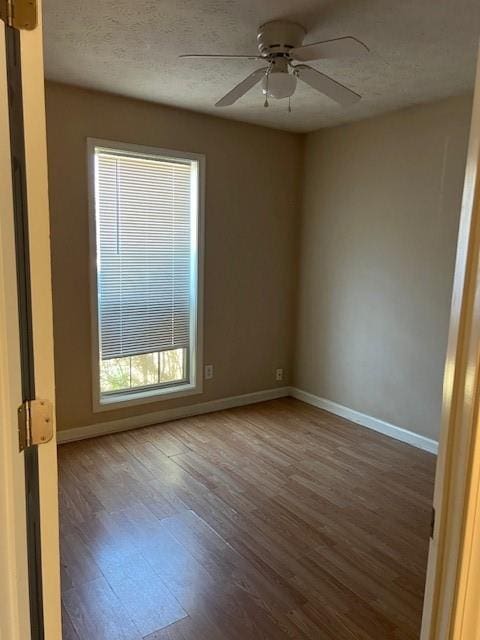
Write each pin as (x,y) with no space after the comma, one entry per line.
(367,421)
(147,419)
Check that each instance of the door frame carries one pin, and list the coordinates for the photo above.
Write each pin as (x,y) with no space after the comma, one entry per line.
(14,566)
(453,581)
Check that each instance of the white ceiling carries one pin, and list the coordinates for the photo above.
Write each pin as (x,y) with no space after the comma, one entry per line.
(421,50)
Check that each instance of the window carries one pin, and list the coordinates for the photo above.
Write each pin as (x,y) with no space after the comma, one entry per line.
(146,230)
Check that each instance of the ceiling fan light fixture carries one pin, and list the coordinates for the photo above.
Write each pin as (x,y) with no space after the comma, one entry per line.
(279,84)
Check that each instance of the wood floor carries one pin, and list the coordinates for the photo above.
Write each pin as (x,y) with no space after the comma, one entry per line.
(272,521)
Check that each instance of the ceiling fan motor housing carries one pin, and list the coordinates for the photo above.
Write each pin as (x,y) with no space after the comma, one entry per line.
(279,37)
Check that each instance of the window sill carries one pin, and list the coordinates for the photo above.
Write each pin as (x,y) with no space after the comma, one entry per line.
(129,399)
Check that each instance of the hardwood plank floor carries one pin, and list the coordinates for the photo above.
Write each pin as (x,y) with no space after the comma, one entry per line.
(273,521)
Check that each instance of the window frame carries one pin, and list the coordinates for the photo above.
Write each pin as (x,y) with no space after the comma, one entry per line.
(107,402)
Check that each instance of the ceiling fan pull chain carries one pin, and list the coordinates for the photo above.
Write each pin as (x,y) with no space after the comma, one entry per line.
(289,105)
(265,104)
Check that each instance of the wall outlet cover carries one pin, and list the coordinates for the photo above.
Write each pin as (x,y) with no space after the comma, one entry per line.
(208,371)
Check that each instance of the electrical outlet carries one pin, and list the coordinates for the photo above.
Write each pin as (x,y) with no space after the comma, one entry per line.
(208,371)
(279,375)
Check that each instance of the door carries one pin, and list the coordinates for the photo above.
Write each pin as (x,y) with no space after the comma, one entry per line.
(29,557)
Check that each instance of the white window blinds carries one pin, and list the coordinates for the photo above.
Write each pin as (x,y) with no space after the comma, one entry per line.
(144,252)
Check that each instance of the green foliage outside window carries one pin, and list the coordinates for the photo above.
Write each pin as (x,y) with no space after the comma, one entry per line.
(148,369)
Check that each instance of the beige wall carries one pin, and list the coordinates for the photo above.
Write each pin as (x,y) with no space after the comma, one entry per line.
(376,211)
(252,189)
(381,203)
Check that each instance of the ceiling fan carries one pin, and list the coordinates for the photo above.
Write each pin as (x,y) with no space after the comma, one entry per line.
(280,46)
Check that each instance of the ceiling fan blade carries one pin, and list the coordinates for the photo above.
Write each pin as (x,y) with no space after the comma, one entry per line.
(326,85)
(241,88)
(221,56)
(338,48)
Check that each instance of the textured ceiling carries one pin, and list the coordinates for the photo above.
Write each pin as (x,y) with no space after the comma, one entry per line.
(421,50)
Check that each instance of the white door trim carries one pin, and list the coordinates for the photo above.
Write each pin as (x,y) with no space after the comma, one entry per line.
(454,491)
(42,315)
(14,584)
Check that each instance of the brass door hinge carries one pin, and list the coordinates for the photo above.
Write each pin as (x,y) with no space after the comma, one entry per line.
(35,423)
(19,14)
